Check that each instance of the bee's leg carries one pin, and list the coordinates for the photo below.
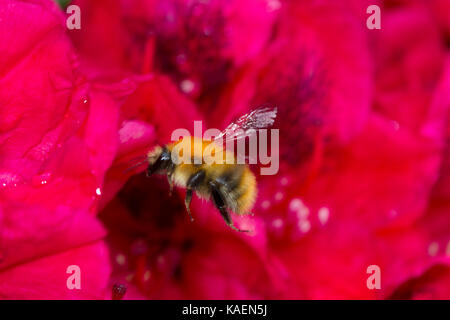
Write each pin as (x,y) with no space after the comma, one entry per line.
(192,183)
(187,202)
(169,179)
(219,202)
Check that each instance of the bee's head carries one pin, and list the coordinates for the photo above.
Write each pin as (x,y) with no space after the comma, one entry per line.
(159,159)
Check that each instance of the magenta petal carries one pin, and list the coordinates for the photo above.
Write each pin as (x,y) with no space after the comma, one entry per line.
(433,284)
(32,232)
(408,66)
(46,278)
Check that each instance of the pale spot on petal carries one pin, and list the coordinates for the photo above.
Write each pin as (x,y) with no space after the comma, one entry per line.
(273,5)
(393,213)
(396,125)
(323,214)
(187,86)
(304,226)
(279,196)
(265,204)
(303,212)
(120,259)
(129,277)
(131,131)
(277,223)
(433,249)
(160,260)
(296,204)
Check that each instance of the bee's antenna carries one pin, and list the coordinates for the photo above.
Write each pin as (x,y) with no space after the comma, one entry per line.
(135,166)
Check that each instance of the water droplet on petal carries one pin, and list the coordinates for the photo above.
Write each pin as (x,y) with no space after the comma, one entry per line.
(41,180)
(98,191)
(8,179)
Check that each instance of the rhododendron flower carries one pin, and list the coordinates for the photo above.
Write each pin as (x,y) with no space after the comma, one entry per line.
(364,178)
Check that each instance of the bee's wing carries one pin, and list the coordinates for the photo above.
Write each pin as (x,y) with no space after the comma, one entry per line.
(257,119)
(247,125)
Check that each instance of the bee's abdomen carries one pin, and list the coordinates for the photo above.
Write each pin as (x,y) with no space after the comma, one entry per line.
(239,189)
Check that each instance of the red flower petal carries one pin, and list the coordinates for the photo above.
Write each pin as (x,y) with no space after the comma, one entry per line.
(58,138)
(46,278)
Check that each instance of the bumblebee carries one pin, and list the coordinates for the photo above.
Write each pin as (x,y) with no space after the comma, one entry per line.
(230,186)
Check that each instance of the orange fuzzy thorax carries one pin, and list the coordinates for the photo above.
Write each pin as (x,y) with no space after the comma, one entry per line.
(240,198)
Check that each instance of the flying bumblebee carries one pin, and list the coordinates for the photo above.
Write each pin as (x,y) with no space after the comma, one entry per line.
(231,186)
